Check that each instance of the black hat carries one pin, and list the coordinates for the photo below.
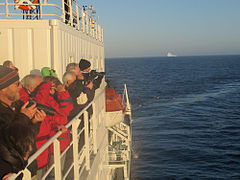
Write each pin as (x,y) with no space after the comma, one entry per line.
(84,64)
(7,76)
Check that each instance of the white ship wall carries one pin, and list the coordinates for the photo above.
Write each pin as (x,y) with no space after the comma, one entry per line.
(33,44)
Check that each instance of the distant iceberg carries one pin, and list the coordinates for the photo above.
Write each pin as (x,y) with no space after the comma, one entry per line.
(171,55)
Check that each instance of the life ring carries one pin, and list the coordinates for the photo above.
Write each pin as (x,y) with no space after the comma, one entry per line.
(29,4)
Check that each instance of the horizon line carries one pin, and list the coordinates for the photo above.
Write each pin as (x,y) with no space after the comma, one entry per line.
(128,57)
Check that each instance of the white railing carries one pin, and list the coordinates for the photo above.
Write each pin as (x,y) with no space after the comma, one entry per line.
(81,157)
(119,149)
(81,18)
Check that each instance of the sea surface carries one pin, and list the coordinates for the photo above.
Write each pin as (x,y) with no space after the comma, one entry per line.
(186,115)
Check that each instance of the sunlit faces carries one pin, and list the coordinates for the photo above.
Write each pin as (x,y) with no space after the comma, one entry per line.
(87,70)
(77,70)
(12,92)
(38,80)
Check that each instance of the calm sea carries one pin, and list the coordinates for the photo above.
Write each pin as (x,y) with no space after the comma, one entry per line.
(186,115)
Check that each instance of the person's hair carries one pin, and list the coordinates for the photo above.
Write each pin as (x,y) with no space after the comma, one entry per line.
(71,67)
(29,80)
(54,80)
(19,136)
(7,63)
(67,76)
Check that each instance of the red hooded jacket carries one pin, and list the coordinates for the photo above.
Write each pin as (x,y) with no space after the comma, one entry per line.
(63,105)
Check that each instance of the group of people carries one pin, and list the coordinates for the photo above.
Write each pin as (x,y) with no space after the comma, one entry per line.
(36,108)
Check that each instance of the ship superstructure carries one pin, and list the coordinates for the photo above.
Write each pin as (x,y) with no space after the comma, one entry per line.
(53,33)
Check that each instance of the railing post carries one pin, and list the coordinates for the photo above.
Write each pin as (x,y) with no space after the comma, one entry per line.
(102,36)
(96,30)
(71,12)
(40,9)
(7,10)
(90,25)
(93,28)
(75,148)
(87,23)
(94,121)
(125,172)
(57,159)
(26,174)
(127,100)
(83,20)
(86,134)
(129,138)
(99,33)
(63,11)
(78,25)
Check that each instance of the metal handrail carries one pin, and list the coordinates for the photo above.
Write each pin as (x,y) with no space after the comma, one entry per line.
(54,138)
(71,13)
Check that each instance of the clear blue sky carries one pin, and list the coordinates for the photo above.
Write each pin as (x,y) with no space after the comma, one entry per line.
(136,28)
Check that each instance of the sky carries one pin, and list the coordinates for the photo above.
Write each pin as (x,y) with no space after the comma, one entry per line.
(142,28)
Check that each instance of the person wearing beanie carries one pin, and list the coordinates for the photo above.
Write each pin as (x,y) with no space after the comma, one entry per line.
(9,93)
(84,65)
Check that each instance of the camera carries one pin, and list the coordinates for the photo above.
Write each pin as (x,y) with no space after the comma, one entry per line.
(90,76)
(48,110)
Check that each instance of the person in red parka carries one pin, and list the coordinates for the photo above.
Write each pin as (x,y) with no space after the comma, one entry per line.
(34,87)
(62,97)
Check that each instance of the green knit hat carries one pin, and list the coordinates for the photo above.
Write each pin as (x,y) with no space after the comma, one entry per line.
(46,71)
(7,76)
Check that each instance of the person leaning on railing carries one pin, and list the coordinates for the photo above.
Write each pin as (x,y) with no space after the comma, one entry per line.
(91,82)
(73,67)
(16,141)
(9,94)
(12,112)
(63,99)
(35,87)
(75,88)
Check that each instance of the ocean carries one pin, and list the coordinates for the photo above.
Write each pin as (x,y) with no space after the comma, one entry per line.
(186,115)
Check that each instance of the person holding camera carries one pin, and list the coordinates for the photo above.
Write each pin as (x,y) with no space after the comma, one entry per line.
(43,91)
(9,93)
(91,78)
(12,112)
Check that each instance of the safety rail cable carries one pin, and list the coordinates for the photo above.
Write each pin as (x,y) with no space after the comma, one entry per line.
(81,18)
(52,139)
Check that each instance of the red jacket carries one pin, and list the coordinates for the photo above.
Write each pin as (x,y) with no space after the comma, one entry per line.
(49,125)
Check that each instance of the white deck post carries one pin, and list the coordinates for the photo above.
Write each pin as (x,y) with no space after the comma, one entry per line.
(127,100)
(96,30)
(40,8)
(78,25)
(125,172)
(7,10)
(99,32)
(86,133)
(102,35)
(75,148)
(63,11)
(129,138)
(71,12)
(87,22)
(57,159)
(93,28)
(83,20)
(26,174)
(94,121)
(90,25)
